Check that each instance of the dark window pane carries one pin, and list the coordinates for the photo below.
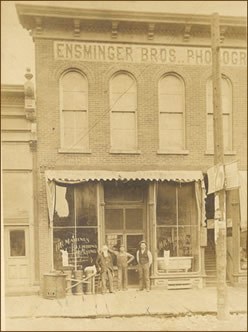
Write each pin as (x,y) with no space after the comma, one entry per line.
(134,219)
(115,191)
(133,245)
(187,210)
(179,242)
(74,247)
(166,241)
(17,243)
(114,219)
(166,204)
(86,204)
(86,247)
(64,206)
(64,245)
(113,241)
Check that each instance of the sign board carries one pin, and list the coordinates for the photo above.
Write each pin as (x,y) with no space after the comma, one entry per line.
(232,175)
(138,53)
(215,178)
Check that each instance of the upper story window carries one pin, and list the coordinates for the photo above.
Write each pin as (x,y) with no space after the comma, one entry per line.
(226,91)
(171,114)
(123,104)
(74,112)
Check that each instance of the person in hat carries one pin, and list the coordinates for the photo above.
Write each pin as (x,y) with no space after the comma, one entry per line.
(144,259)
(104,265)
(123,259)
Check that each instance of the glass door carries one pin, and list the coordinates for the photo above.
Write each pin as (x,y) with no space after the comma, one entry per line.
(126,224)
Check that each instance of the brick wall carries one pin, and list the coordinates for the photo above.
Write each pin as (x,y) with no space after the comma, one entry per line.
(48,118)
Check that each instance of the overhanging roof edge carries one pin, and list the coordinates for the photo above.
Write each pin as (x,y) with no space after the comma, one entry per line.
(98,175)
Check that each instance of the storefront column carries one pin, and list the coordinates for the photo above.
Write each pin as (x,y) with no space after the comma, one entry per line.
(100,215)
(152,224)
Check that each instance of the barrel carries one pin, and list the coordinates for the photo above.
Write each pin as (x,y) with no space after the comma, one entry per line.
(68,281)
(78,290)
(89,270)
(54,286)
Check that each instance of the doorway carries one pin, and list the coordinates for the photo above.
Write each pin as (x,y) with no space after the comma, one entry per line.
(17,256)
(126,225)
(125,219)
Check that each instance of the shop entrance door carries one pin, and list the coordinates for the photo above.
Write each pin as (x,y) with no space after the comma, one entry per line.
(126,224)
(17,256)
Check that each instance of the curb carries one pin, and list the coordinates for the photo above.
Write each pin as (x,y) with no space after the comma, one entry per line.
(159,315)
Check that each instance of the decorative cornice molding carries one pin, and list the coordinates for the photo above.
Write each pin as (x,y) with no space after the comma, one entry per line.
(151,29)
(115,25)
(27,11)
(187,32)
(38,21)
(223,31)
(76,27)
(13,88)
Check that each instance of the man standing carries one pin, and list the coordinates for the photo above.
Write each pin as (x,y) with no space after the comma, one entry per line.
(104,264)
(144,259)
(123,259)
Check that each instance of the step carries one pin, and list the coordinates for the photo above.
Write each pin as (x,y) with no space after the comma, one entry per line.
(179,284)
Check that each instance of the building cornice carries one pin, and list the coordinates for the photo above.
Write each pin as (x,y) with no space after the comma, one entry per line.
(28,15)
(12,88)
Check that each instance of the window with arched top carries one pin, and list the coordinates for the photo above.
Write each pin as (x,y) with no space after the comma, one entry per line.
(123,106)
(226,92)
(171,114)
(74,112)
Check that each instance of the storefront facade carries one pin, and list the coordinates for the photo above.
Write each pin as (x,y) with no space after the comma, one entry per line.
(124,128)
(162,207)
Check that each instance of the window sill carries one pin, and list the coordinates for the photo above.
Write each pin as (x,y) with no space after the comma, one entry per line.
(74,151)
(184,152)
(226,153)
(125,152)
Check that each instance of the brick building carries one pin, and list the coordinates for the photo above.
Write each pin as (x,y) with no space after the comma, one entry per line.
(125,137)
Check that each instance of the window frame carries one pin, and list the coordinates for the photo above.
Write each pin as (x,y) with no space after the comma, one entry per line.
(63,148)
(114,149)
(176,227)
(76,227)
(229,150)
(165,150)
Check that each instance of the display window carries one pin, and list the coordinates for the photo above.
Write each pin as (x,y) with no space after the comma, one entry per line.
(75,235)
(177,228)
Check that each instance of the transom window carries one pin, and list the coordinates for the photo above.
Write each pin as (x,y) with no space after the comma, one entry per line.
(74,111)
(171,113)
(123,104)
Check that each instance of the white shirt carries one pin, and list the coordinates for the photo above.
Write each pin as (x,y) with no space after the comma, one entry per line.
(148,254)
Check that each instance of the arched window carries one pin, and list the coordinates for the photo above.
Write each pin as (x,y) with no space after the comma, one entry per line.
(171,114)
(226,91)
(74,112)
(123,103)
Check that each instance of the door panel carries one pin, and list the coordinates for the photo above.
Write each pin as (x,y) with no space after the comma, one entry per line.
(17,256)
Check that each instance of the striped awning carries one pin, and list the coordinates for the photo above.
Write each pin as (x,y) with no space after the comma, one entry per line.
(75,176)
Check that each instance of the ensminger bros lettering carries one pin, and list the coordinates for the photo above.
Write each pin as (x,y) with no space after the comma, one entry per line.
(180,55)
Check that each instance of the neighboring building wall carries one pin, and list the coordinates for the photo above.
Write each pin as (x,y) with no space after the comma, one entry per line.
(18,198)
